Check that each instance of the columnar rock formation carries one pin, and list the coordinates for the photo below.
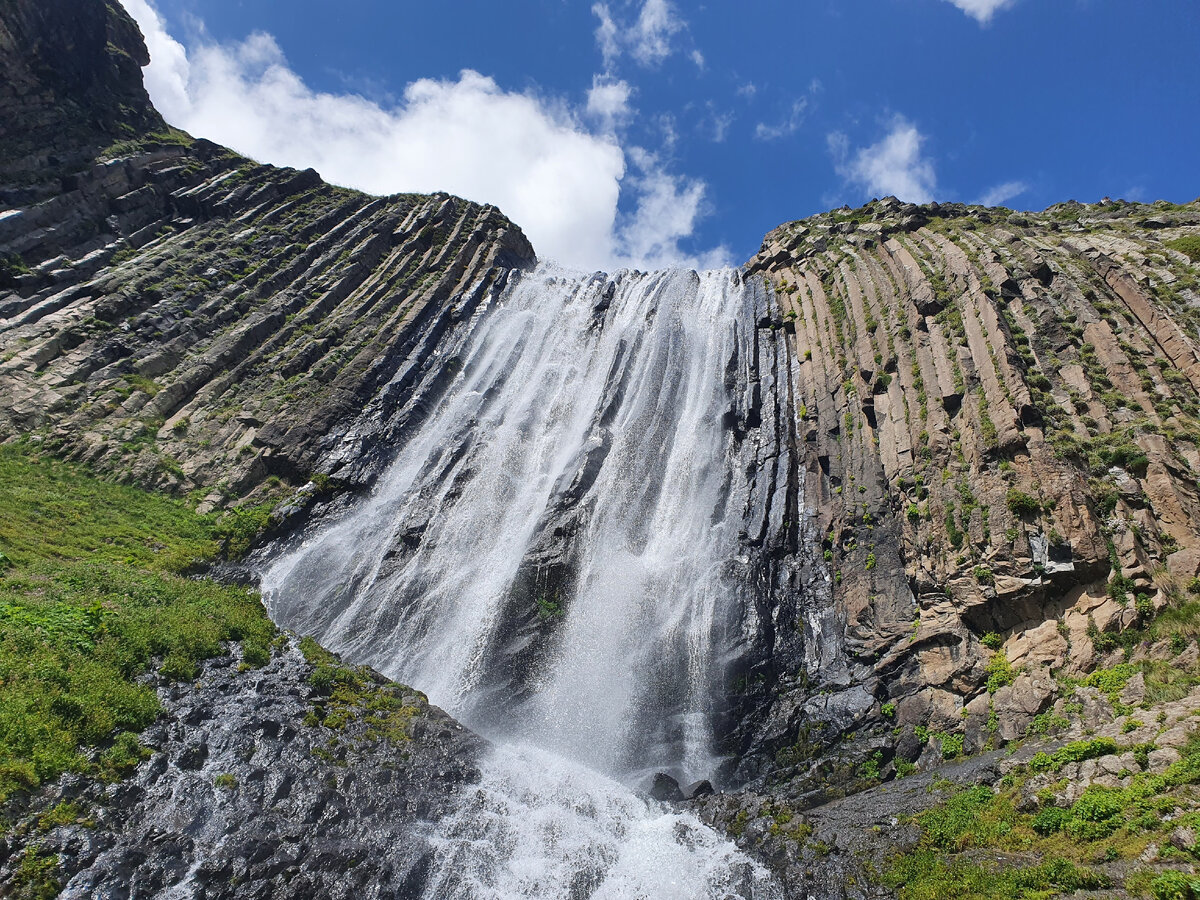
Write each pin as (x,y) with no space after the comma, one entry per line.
(1000,419)
(192,320)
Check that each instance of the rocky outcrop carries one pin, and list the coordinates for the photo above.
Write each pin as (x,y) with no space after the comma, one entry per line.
(298,779)
(184,318)
(70,83)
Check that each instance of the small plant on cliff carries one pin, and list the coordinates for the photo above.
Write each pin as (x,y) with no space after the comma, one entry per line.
(999,671)
(1022,504)
(951,745)
(11,266)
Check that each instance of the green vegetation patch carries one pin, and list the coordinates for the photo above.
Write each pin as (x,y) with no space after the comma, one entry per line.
(354,695)
(1076,751)
(1188,245)
(978,844)
(93,594)
(11,265)
(169,137)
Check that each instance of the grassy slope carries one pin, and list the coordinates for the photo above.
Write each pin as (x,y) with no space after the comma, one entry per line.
(980,846)
(94,594)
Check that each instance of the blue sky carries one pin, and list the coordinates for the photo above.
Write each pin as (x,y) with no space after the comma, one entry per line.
(651,132)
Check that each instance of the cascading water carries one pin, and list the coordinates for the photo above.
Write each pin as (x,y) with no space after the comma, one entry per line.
(553,555)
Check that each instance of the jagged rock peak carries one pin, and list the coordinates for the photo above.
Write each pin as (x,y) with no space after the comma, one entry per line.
(70,82)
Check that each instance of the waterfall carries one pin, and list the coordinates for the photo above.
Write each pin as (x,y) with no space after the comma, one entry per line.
(553,556)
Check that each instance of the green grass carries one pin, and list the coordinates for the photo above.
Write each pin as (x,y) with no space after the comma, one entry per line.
(349,695)
(1188,245)
(93,593)
(171,137)
(1047,852)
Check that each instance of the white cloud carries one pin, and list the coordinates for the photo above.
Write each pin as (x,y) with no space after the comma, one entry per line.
(608,101)
(982,10)
(530,156)
(716,124)
(649,38)
(1002,193)
(667,207)
(608,35)
(789,125)
(894,165)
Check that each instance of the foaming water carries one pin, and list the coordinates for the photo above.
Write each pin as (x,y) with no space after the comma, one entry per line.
(551,556)
(539,826)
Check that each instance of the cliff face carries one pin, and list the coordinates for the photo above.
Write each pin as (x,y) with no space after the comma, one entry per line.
(999,416)
(998,425)
(70,83)
(184,318)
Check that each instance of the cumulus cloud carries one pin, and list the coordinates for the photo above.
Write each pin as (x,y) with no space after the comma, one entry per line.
(894,165)
(982,10)
(608,101)
(566,185)
(1002,193)
(667,207)
(649,38)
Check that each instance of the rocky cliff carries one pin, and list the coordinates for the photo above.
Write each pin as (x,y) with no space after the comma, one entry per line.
(187,319)
(70,83)
(999,420)
(300,778)
(998,431)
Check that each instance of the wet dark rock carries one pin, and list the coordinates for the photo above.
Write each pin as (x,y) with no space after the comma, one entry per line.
(666,789)
(698,789)
(246,796)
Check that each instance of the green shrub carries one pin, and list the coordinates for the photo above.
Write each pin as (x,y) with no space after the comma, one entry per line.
(1049,820)
(999,671)
(1175,886)
(1022,504)
(951,744)
(1096,814)
(238,528)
